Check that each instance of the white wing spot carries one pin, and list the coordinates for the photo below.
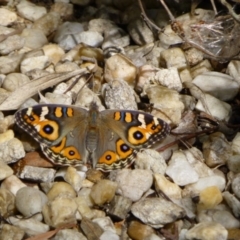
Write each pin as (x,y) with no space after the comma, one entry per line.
(44,113)
(142,121)
(29,111)
(37,127)
(155,121)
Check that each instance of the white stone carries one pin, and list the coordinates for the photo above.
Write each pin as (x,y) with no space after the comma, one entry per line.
(73,178)
(219,85)
(30,11)
(170,189)
(195,188)
(236,185)
(9,64)
(39,62)
(14,80)
(30,201)
(12,43)
(233,69)
(7,17)
(215,107)
(5,171)
(207,231)
(13,184)
(169,78)
(173,57)
(180,170)
(157,211)
(65,32)
(236,144)
(93,39)
(48,23)
(54,52)
(30,226)
(106,224)
(150,159)
(109,235)
(224,217)
(34,38)
(132,184)
(37,173)
(11,151)
(140,32)
(72,234)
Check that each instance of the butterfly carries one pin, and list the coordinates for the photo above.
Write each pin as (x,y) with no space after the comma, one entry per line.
(108,140)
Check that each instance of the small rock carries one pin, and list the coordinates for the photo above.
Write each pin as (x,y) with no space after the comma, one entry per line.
(236,185)
(5,171)
(13,184)
(150,159)
(207,231)
(131,183)
(30,201)
(48,23)
(38,174)
(236,144)
(157,211)
(11,232)
(65,32)
(103,191)
(232,202)
(10,63)
(224,217)
(219,85)
(120,67)
(30,11)
(140,32)
(193,56)
(30,225)
(173,57)
(7,203)
(213,106)
(93,39)
(180,170)
(91,230)
(54,52)
(216,149)
(61,189)
(119,95)
(73,178)
(202,67)
(7,17)
(32,63)
(120,206)
(169,78)
(69,234)
(12,43)
(14,80)
(138,231)
(195,188)
(210,197)
(83,208)
(167,101)
(65,9)
(61,210)
(105,223)
(170,189)
(34,38)
(233,69)
(11,151)
(85,192)
(109,235)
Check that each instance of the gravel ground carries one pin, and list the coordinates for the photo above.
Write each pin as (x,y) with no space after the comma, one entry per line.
(162,164)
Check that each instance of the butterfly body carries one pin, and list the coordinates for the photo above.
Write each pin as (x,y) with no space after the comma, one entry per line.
(106,140)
